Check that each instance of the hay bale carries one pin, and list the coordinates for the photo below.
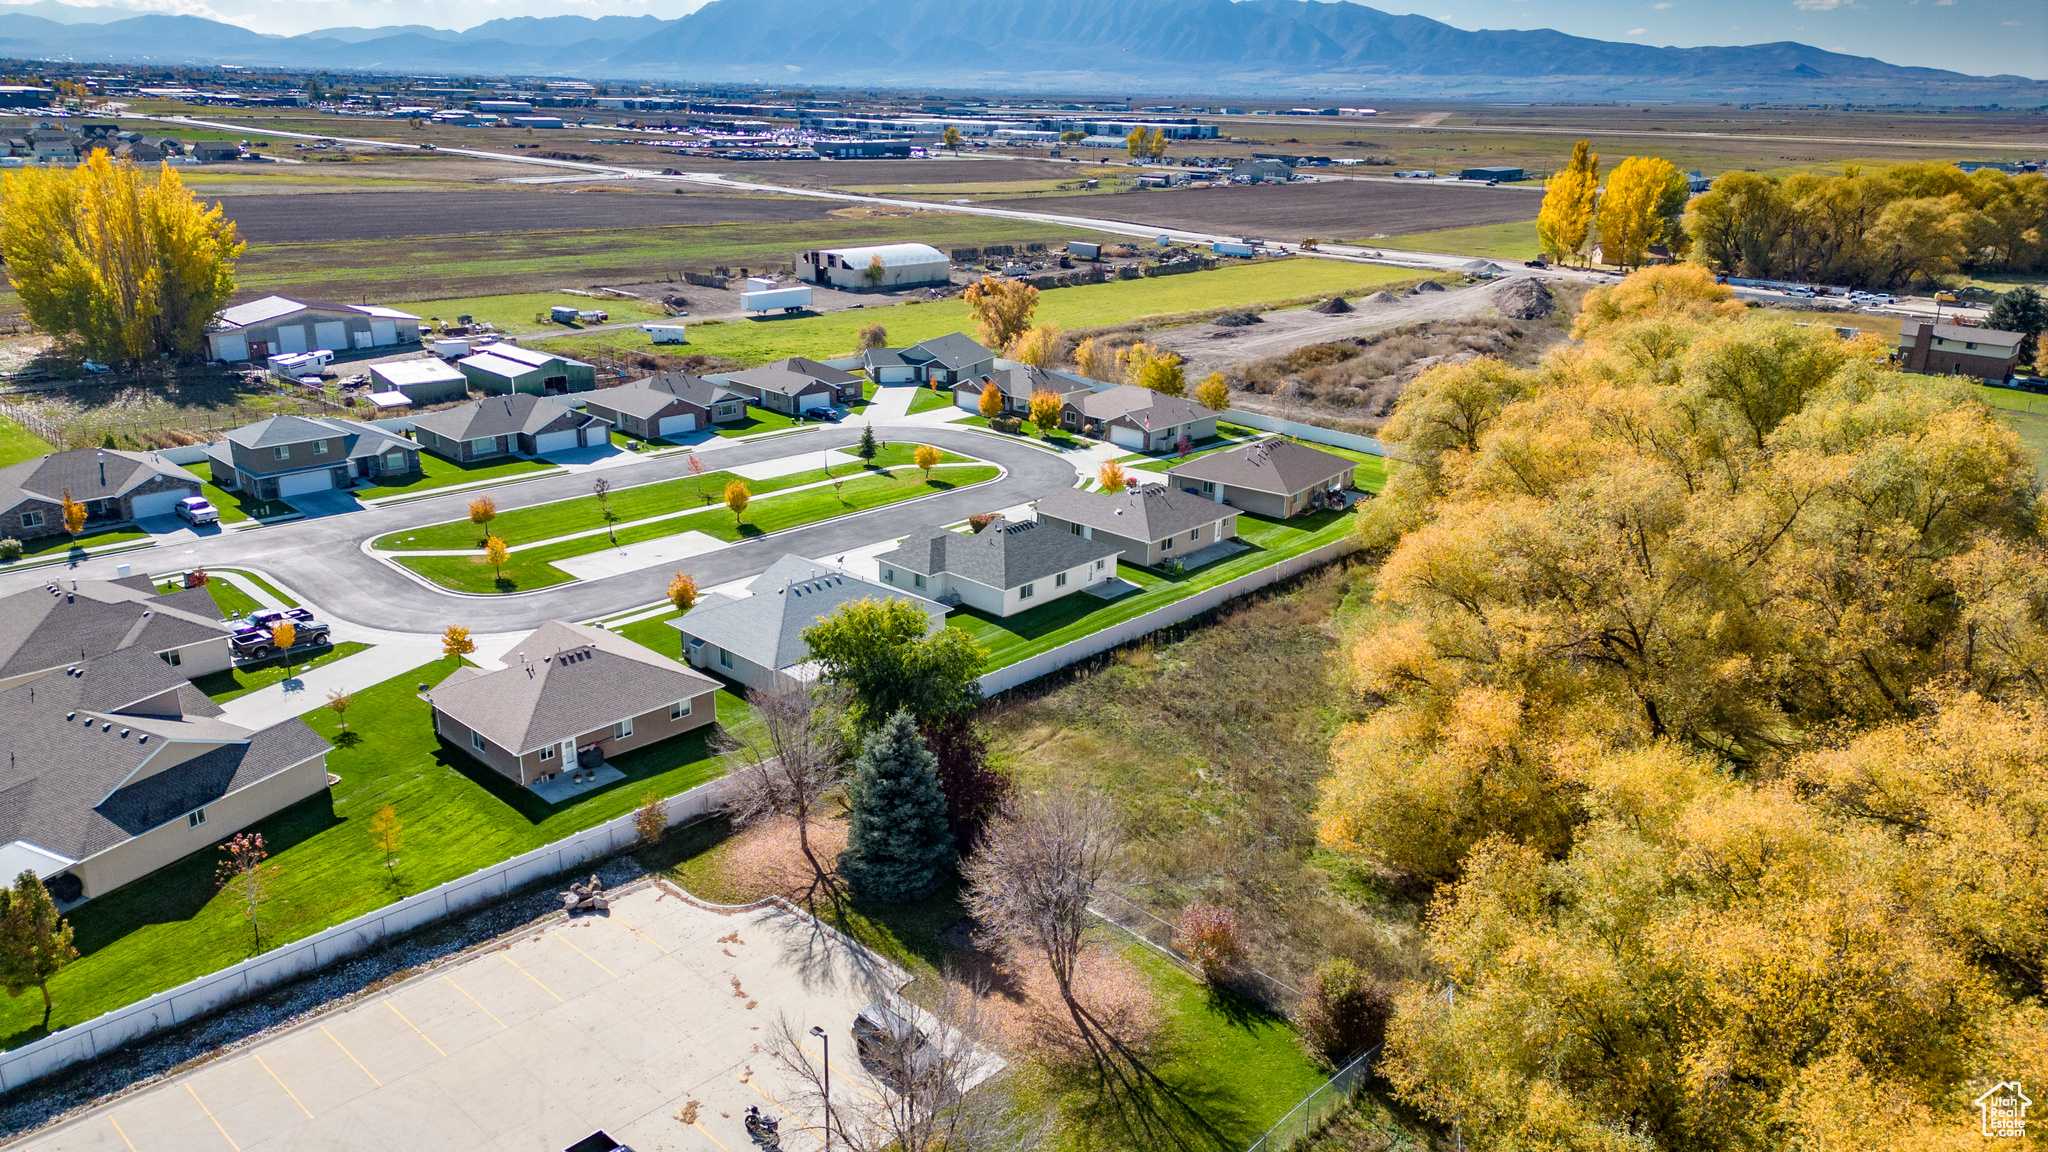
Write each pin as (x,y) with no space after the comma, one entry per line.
(1335,305)
(1238,320)
(1525,300)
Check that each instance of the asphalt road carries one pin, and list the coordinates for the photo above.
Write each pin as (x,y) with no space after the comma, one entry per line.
(324,560)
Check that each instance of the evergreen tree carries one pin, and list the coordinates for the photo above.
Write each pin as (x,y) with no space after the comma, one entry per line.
(2022,311)
(899,844)
(867,449)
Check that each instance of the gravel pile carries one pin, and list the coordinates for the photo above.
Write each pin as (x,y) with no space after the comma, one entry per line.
(1237,320)
(1525,300)
(143,1063)
(1429,286)
(1380,297)
(1331,307)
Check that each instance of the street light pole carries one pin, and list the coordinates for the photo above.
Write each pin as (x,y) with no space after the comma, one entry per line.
(821,1034)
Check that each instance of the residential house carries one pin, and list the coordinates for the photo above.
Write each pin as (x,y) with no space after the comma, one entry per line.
(1138,418)
(505,368)
(887,366)
(1276,478)
(1152,523)
(671,404)
(285,456)
(757,639)
(277,326)
(116,766)
(507,425)
(948,360)
(1953,350)
(1017,383)
(1261,172)
(796,385)
(1006,568)
(215,151)
(47,144)
(427,380)
(114,486)
(569,696)
(65,621)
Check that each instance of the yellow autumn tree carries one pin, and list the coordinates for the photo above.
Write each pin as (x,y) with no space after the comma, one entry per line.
(1637,209)
(927,458)
(990,405)
(1564,224)
(1150,366)
(682,591)
(1036,347)
(1002,309)
(1045,409)
(120,266)
(456,641)
(1667,292)
(1095,361)
(1213,393)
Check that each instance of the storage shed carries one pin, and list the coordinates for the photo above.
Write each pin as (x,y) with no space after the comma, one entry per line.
(1503,174)
(505,368)
(429,381)
(276,325)
(903,266)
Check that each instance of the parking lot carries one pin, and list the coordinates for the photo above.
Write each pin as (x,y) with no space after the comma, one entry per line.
(610,1022)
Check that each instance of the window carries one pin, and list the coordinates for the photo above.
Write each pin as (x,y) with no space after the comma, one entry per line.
(31,519)
(1208,488)
(487,444)
(679,709)
(1074,528)
(1168,546)
(622,729)
(724,658)
(394,461)
(1099,564)
(195,818)
(1195,535)
(1060,581)
(917,579)
(173,657)
(319,447)
(1026,592)
(889,575)
(547,753)
(282,452)
(476,741)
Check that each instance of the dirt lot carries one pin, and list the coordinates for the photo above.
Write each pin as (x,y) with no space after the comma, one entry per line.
(368,215)
(1325,208)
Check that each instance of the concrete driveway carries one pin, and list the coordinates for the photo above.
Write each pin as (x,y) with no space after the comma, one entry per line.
(614,1022)
(329,503)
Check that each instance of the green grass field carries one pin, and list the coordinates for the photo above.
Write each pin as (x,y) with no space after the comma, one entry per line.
(534,567)
(2028,415)
(43,547)
(1494,241)
(1088,306)
(225,686)
(441,472)
(18,444)
(927,400)
(459,816)
(237,506)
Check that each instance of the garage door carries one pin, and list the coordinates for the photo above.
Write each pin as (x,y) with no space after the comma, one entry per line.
(967,400)
(383,332)
(672,425)
(548,442)
(300,483)
(231,346)
(291,338)
(361,336)
(1127,437)
(816,402)
(158,503)
(331,335)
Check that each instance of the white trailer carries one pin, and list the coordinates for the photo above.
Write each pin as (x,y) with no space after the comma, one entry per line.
(665,333)
(1229,248)
(767,295)
(451,347)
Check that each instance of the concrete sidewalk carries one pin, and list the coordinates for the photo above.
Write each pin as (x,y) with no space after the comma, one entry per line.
(391,654)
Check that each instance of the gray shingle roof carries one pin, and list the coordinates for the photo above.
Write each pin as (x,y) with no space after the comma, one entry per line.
(1990,337)
(519,413)
(1130,400)
(75,759)
(1149,513)
(790,377)
(1003,555)
(1281,467)
(573,679)
(50,626)
(358,438)
(648,398)
(884,358)
(792,595)
(953,350)
(1021,380)
(90,473)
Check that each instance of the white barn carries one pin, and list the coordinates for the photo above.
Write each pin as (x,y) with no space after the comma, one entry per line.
(276,326)
(903,266)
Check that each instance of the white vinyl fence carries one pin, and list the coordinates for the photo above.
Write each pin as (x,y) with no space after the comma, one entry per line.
(217,990)
(1032,667)
(1308,432)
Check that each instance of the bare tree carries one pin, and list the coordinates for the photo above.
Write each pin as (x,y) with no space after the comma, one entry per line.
(929,1081)
(1043,860)
(789,758)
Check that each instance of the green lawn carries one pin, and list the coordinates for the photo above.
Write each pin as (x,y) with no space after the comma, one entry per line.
(757,420)
(1515,241)
(1051,438)
(441,472)
(534,567)
(1088,306)
(18,444)
(231,601)
(234,506)
(43,546)
(928,400)
(1013,638)
(225,686)
(266,585)
(2028,415)
(459,816)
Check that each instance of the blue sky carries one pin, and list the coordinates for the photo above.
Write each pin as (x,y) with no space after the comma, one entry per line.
(1975,36)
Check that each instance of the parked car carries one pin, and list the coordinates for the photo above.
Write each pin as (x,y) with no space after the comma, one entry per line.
(1882,298)
(254,639)
(196,511)
(1800,293)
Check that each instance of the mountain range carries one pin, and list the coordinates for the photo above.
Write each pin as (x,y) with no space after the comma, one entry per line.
(1218,47)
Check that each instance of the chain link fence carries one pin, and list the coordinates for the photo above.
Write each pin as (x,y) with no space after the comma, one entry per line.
(1318,1107)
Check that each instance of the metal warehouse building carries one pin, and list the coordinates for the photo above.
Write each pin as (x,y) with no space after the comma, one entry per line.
(903,266)
(275,326)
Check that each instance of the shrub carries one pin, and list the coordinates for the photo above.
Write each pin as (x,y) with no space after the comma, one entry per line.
(1209,935)
(980,520)
(1009,424)
(10,549)
(1343,1010)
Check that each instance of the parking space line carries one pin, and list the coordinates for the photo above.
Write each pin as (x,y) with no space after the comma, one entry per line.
(646,937)
(258,1057)
(785,1110)
(699,1126)
(415,1028)
(582,953)
(853,1080)
(352,1057)
(210,1116)
(535,979)
(121,1134)
(473,1000)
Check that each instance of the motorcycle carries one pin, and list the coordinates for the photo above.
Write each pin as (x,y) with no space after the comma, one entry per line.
(766,1130)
